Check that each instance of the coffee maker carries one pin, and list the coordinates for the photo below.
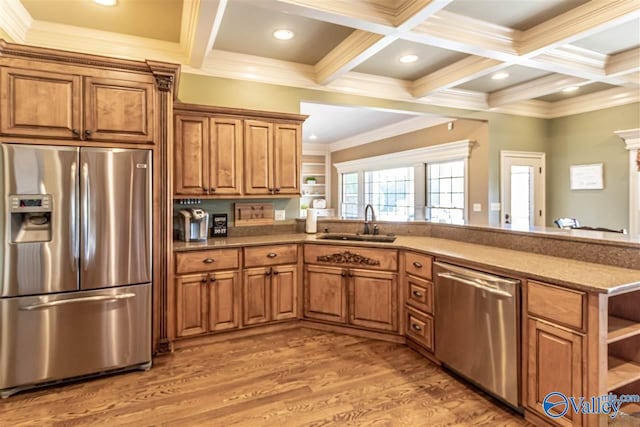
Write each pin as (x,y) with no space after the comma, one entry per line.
(193,224)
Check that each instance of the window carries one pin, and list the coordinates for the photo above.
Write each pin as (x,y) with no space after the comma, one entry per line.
(445,192)
(391,192)
(350,195)
(423,183)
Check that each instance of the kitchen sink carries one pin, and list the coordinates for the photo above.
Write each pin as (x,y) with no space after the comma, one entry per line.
(358,237)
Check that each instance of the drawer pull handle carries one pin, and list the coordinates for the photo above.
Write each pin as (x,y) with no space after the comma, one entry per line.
(208,260)
(416,327)
(418,294)
(417,264)
(272,255)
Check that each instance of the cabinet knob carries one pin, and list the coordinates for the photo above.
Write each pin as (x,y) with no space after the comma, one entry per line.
(350,273)
(204,279)
(276,272)
(75,132)
(212,278)
(268,272)
(87,133)
(418,294)
(343,274)
(208,260)
(212,189)
(416,327)
(417,264)
(272,255)
(277,190)
(205,189)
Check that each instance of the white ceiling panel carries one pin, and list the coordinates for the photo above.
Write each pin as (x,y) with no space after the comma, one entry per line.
(248,28)
(517,75)
(583,90)
(387,61)
(614,40)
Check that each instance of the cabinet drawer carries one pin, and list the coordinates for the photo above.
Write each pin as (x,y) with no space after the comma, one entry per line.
(420,328)
(351,256)
(261,256)
(209,260)
(418,264)
(419,293)
(563,306)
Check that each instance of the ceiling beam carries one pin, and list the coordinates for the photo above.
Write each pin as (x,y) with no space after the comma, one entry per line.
(583,21)
(460,72)
(533,89)
(623,63)
(15,20)
(201,20)
(414,12)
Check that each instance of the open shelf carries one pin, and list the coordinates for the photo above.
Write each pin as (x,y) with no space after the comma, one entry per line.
(621,372)
(312,174)
(312,164)
(620,329)
(314,185)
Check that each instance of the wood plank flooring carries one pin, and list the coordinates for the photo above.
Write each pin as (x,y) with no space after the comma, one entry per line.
(298,377)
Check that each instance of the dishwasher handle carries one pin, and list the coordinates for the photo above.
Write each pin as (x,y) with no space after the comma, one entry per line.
(475,283)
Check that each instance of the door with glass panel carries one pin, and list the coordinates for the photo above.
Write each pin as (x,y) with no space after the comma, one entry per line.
(523,189)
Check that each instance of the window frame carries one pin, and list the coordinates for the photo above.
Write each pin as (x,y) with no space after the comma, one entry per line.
(416,158)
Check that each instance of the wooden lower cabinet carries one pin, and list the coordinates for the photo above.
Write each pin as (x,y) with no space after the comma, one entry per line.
(373,299)
(270,294)
(325,293)
(555,364)
(207,303)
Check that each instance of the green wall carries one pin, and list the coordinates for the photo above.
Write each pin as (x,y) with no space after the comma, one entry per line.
(583,139)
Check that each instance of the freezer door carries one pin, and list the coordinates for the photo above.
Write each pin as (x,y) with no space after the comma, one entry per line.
(36,261)
(54,337)
(115,217)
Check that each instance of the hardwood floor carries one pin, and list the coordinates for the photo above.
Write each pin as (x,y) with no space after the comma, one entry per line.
(297,377)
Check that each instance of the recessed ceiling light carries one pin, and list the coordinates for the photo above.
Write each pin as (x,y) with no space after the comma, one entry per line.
(500,76)
(570,89)
(106,2)
(314,136)
(407,59)
(283,34)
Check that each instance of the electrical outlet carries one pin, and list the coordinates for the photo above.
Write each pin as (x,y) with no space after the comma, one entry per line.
(477,207)
(279,215)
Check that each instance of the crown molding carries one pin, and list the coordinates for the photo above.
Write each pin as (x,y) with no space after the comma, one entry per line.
(631,138)
(351,52)
(311,148)
(359,14)
(456,74)
(533,89)
(530,108)
(204,31)
(15,20)
(188,23)
(584,20)
(594,101)
(405,126)
(458,98)
(624,62)
(85,40)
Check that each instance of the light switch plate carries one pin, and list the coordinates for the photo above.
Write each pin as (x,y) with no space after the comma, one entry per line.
(477,207)
(495,207)
(279,215)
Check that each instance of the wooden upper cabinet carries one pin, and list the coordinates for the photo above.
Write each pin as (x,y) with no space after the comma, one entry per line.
(40,103)
(258,157)
(287,158)
(191,159)
(118,110)
(225,156)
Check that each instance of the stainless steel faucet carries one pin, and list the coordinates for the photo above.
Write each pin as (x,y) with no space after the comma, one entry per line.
(367,222)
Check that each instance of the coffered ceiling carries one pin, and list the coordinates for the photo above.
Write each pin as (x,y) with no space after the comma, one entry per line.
(354,46)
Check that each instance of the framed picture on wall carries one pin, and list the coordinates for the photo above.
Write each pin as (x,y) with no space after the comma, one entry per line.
(586,177)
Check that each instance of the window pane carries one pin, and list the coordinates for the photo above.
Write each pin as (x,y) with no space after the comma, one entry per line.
(390,191)
(350,195)
(445,198)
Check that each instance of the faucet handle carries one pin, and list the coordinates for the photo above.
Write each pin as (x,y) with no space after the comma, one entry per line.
(376,230)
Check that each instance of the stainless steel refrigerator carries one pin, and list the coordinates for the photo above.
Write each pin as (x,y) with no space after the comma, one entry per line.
(75,263)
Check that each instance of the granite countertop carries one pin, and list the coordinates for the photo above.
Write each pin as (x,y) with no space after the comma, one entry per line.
(565,272)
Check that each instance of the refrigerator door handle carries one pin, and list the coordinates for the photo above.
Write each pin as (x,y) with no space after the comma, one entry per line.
(95,298)
(86,196)
(73,217)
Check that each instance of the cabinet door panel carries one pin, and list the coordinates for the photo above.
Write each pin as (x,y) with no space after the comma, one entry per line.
(258,157)
(284,292)
(325,294)
(191,157)
(119,110)
(225,156)
(39,103)
(191,304)
(224,301)
(555,365)
(373,297)
(256,296)
(287,159)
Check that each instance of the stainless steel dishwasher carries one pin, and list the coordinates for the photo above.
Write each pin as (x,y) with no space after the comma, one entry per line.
(476,331)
